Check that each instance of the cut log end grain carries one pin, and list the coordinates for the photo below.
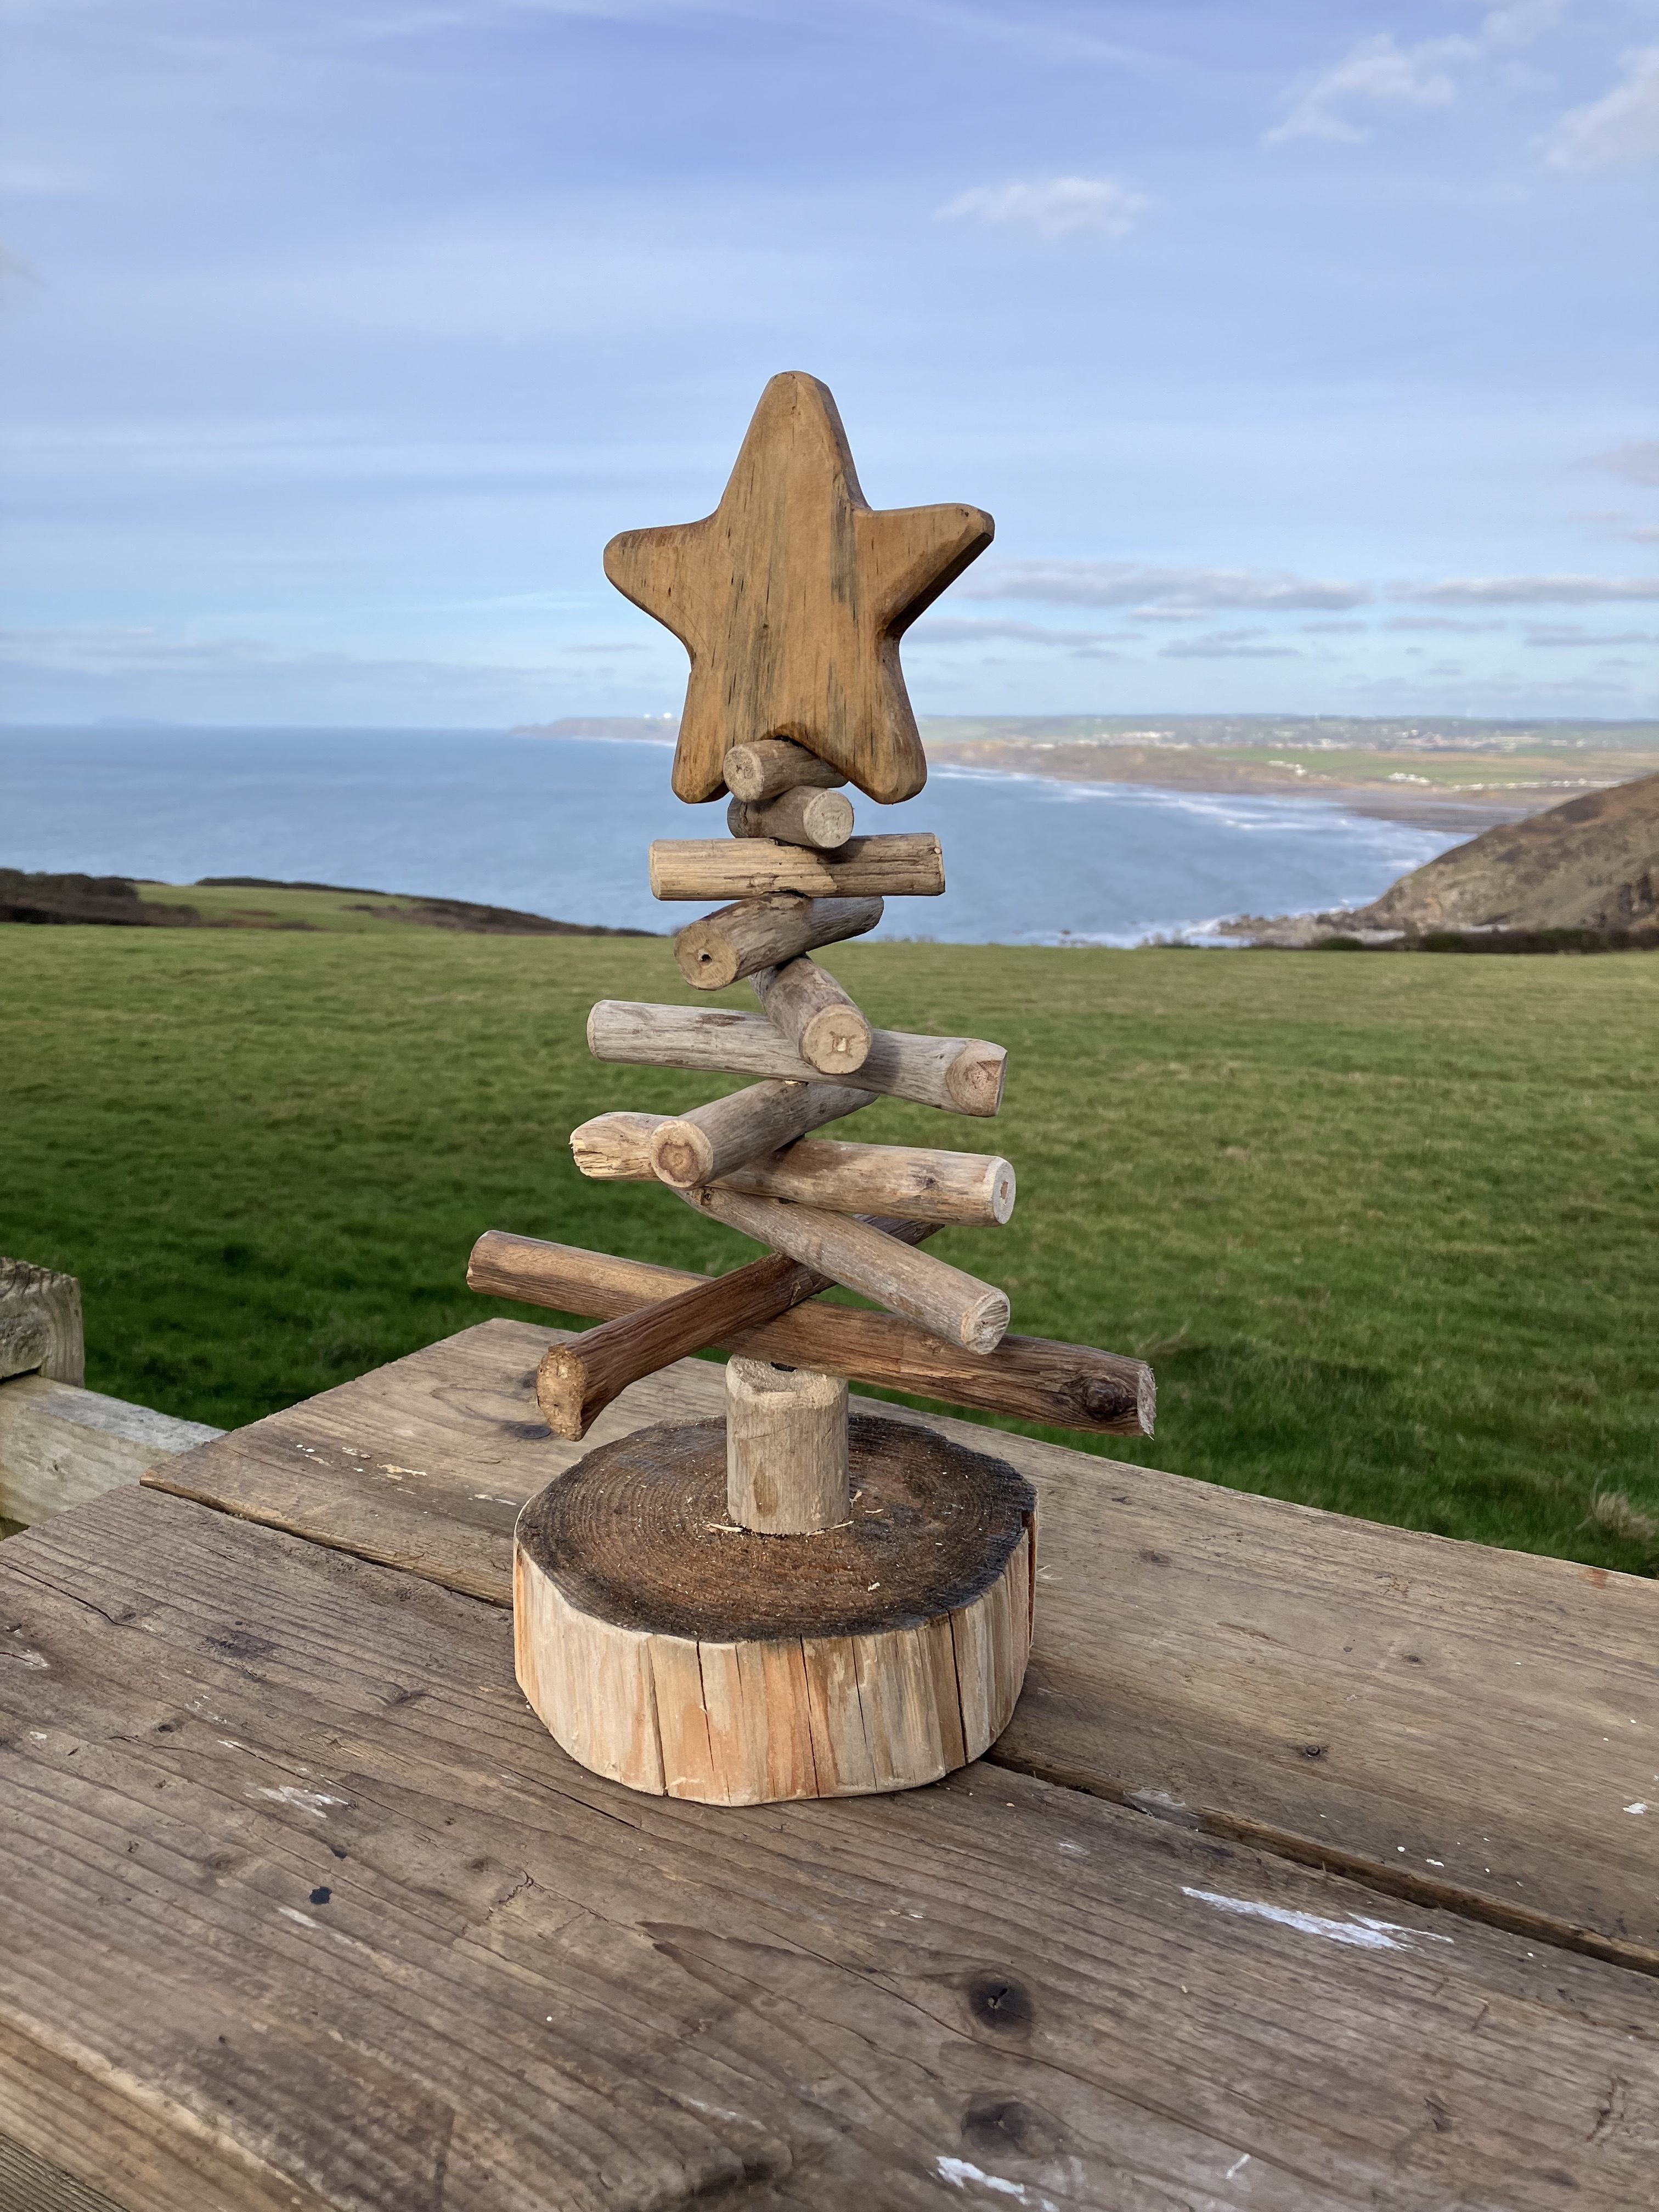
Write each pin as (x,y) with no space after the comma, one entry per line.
(738,941)
(670,1648)
(810,1011)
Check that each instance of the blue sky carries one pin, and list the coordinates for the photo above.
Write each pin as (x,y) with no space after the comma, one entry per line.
(1305,354)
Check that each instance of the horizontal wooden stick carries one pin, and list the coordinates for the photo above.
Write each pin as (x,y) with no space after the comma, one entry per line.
(760,771)
(908,864)
(953,1306)
(1066,1386)
(575,1381)
(812,1012)
(712,1140)
(974,1189)
(959,1075)
(820,819)
(735,941)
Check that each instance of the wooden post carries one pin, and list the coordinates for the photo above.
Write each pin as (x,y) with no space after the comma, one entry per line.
(40,1326)
(785,1448)
(821,819)
(908,864)
(736,941)
(760,771)
(810,1011)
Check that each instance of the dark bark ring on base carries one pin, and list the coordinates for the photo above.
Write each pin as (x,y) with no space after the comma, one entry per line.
(672,1652)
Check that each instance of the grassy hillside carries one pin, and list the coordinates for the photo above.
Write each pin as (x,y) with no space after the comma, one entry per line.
(1388,1229)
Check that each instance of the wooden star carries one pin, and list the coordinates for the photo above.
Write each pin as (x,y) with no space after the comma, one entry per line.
(791,600)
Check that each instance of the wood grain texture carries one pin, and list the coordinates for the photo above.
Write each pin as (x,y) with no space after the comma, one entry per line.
(785,1448)
(1031,1377)
(40,1326)
(948,1303)
(760,771)
(820,819)
(814,1017)
(60,1446)
(791,598)
(527,1989)
(1455,1724)
(684,1656)
(958,1075)
(576,1381)
(738,941)
(906,864)
(712,1139)
(975,1189)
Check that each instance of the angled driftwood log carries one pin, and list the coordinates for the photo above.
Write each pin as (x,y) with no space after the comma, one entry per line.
(710,1140)
(958,1075)
(739,940)
(1066,1386)
(575,1381)
(949,1304)
(812,1012)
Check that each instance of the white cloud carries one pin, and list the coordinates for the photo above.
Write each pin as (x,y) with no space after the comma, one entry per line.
(1378,70)
(1227,645)
(975,629)
(1164,593)
(1438,622)
(1520,22)
(1528,591)
(1572,634)
(1637,462)
(1053,207)
(1619,130)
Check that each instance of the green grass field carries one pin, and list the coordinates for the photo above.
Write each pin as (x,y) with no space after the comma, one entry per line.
(1388,1227)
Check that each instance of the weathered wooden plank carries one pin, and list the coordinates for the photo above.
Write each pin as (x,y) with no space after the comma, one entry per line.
(41,1330)
(60,1446)
(1456,1723)
(312,1896)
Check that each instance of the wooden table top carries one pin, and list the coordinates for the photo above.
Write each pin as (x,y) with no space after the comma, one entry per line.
(1313,1871)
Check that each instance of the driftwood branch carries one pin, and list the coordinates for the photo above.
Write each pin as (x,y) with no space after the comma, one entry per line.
(959,1075)
(1066,1386)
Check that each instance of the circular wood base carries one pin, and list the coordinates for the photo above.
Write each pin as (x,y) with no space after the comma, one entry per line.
(672,1650)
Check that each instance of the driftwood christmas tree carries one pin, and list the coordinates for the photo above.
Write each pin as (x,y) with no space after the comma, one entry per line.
(790,1603)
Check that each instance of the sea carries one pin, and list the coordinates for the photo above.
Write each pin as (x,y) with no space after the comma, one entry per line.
(560,827)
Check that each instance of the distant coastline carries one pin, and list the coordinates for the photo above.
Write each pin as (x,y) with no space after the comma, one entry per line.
(1444,773)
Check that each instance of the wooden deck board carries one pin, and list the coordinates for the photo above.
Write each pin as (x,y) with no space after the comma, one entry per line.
(316,1906)
(1463,1725)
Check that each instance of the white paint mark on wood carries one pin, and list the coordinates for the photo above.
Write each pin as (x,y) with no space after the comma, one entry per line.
(1237,2166)
(291,1912)
(1640,1806)
(1360,1932)
(306,1801)
(34,1661)
(959,2171)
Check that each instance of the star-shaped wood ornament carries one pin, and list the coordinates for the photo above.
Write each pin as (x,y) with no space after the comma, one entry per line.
(791,600)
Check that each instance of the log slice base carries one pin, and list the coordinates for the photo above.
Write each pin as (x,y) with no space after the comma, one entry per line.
(670,1649)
